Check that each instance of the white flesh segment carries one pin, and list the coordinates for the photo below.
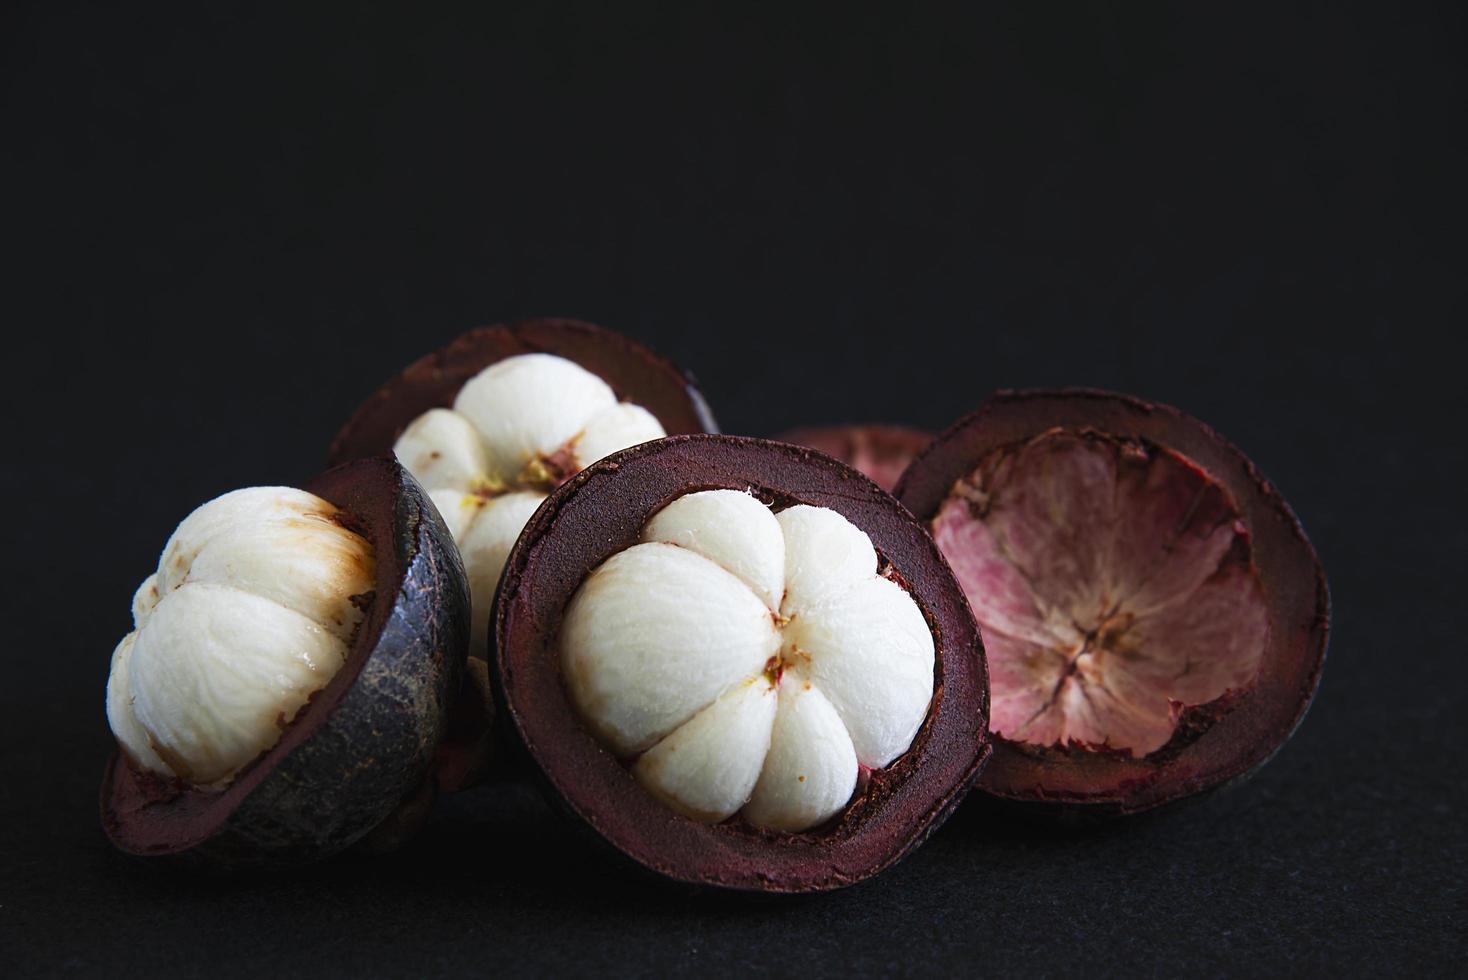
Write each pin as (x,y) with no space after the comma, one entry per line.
(458,509)
(708,766)
(530,405)
(442,449)
(145,599)
(125,727)
(216,673)
(484,547)
(810,772)
(871,653)
(732,529)
(824,553)
(654,635)
(309,564)
(238,508)
(613,429)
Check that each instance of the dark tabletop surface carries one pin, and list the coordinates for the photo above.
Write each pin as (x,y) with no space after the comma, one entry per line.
(225,226)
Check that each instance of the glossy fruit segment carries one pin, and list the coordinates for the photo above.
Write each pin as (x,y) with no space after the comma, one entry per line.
(249,614)
(738,686)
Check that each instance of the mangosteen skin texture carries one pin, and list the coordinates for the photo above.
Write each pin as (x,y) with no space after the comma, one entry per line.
(364,743)
(602,511)
(882,452)
(1216,744)
(634,372)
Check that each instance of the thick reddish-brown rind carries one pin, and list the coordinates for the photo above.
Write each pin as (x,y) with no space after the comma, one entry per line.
(1256,723)
(882,452)
(364,743)
(601,512)
(634,372)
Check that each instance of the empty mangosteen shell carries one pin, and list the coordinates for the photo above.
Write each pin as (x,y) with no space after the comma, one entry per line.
(1217,743)
(364,743)
(633,371)
(894,446)
(601,512)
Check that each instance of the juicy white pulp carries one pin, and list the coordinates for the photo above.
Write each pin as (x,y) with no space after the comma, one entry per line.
(747,660)
(488,462)
(249,614)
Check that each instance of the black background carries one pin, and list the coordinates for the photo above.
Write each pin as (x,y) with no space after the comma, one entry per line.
(227,225)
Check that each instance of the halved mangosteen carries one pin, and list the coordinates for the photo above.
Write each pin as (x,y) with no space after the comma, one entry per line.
(1154,616)
(501,416)
(287,682)
(490,425)
(881,452)
(741,663)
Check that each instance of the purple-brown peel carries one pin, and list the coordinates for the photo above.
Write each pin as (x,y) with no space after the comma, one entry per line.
(1263,559)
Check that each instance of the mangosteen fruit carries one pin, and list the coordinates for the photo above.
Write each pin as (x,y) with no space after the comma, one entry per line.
(287,679)
(496,420)
(1154,616)
(881,452)
(741,663)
